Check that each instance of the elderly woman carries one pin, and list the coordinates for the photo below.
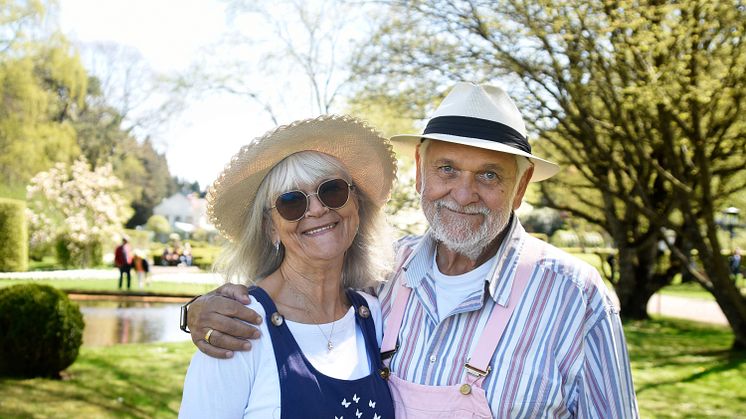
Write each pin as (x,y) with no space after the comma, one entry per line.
(301,207)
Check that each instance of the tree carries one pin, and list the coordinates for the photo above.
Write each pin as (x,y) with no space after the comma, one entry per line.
(641,101)
(76,209)
(41,87)
(288,57)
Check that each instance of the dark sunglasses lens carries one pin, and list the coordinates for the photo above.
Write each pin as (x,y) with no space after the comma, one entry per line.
(334,193)
(291,205)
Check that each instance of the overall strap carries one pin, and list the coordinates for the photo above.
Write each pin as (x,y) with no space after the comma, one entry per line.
(480,360)
(264,299)
(364,320)
(396,316)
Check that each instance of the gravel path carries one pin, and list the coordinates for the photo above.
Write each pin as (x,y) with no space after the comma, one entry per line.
(706,311)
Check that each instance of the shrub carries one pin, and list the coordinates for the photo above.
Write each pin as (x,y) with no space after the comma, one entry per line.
(565,238)
(13,236)
(42,331)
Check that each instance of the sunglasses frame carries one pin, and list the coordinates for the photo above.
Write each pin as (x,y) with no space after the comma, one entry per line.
(350,188)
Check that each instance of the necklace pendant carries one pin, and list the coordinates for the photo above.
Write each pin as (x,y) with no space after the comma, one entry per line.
(329,345)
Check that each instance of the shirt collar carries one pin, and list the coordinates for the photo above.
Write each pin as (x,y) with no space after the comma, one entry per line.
(501,275)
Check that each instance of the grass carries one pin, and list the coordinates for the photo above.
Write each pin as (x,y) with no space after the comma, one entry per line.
(681,370)
(134,380)
(684,369)
(158,288)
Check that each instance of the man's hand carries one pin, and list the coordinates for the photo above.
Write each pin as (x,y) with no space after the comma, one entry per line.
(224,311)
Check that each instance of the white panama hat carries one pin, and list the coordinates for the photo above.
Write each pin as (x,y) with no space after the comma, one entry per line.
(480,116)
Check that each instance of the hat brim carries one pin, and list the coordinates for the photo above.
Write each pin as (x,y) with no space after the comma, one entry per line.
(543,169)
(367,156)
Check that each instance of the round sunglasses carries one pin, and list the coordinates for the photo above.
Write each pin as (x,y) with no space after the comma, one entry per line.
(293,205)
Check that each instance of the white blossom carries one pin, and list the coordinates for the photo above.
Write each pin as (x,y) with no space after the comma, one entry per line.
(78,206)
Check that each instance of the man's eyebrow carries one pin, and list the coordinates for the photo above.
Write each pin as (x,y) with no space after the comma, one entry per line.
(492,167)
(443,161)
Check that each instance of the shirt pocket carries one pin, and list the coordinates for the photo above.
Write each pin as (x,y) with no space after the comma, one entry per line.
(538,394)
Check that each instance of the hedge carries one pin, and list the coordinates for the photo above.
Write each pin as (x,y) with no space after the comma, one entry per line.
(13,236)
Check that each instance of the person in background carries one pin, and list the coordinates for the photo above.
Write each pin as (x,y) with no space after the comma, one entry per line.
(301,207)
(735,262)
(169,257)
(123,260)
(186,255)
(142,268)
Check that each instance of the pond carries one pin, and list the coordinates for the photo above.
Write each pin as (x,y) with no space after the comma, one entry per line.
(113,322)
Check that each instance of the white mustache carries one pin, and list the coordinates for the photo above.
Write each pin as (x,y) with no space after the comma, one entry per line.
(469,209)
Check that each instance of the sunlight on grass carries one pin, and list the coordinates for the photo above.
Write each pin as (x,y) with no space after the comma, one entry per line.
(681,370)
(684,369)
(135,380)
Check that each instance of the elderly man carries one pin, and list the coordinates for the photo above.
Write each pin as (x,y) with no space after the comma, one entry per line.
(480,319)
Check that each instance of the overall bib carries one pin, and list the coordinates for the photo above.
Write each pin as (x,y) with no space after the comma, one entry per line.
(468,399)
(307,393)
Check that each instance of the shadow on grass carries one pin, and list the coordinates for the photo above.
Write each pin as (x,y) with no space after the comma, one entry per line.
(142,381)
(673,345)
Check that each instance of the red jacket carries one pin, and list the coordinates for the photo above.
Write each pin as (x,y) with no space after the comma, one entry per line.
(123,255)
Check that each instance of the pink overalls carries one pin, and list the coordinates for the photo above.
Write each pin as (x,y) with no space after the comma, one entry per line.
(466,400)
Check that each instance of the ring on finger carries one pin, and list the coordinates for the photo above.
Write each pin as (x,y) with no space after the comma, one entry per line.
(208,334)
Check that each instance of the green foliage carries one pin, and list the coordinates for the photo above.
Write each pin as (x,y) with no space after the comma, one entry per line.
(640,102)
(51,111)
(158,224)
(139,239)
(542,220)
(13,236)
(31,135)
(42,331)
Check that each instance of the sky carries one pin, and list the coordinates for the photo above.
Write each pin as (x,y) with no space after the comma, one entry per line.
(169,34)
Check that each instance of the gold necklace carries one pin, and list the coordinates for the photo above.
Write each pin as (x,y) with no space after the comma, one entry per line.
(298,294)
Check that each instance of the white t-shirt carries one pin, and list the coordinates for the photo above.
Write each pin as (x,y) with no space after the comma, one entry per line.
(452,290)
(248,385)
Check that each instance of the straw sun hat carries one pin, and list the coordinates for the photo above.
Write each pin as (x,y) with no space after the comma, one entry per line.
(367,156)
(480,116)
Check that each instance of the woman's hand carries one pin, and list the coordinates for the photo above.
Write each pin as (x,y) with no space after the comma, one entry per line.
(224,311)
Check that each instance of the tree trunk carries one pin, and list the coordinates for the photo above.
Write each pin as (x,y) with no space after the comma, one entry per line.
(728,297)
(638,279)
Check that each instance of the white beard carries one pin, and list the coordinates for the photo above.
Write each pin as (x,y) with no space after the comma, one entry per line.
(459,236)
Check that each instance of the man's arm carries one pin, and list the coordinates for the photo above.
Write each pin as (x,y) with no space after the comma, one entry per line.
(607,377)
(223,310)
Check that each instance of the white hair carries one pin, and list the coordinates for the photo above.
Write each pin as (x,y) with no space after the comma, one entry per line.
(253,256)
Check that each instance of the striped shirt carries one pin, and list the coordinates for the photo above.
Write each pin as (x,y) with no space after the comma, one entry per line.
(562,354)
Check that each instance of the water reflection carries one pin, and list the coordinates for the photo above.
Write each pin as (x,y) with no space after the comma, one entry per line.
(112,322)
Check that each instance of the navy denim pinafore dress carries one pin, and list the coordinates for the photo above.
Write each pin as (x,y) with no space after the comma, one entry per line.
(307,393)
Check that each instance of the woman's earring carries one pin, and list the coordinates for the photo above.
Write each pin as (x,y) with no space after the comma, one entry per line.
(277,246)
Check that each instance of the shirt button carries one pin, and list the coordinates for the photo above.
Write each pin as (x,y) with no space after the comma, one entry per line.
(432,359)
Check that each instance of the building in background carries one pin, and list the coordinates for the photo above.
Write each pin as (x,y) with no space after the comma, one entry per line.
(185,213)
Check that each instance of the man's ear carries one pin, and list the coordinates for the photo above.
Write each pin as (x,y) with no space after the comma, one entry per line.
(524,181)
(418,174)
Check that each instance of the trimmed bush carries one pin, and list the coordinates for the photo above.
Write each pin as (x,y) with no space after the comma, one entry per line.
(42,331)
(13,236)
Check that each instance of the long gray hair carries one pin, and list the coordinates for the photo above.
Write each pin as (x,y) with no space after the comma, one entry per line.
(252,257)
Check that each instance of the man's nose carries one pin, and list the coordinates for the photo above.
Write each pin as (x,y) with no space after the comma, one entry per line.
(464,192)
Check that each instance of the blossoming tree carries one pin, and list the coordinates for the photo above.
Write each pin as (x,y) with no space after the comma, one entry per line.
(77,210)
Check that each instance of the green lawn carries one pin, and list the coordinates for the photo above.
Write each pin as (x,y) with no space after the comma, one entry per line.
(159,288)
(681,370)
(135,380)
(684,370)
